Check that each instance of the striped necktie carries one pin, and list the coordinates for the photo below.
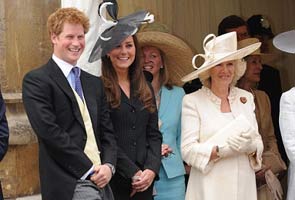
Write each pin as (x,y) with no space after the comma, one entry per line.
(78,86)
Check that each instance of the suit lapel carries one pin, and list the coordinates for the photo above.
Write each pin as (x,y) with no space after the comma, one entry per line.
(90,97)
(56,74)
(131,101)
(165,99)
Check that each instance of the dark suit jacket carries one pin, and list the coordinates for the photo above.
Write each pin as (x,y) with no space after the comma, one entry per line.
(4,133)
(55,117)
(139,141)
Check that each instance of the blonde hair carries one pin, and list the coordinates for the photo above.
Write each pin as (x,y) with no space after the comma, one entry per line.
(57,19)
(240,68)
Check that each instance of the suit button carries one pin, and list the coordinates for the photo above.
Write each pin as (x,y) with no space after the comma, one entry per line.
(134,143)
(133,110)
(133,127)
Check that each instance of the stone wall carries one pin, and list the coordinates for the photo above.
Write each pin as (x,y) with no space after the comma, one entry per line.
(24,45)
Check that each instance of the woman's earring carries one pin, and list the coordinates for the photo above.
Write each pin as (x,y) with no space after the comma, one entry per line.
(161,67)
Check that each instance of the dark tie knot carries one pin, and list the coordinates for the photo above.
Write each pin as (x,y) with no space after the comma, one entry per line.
(76,71)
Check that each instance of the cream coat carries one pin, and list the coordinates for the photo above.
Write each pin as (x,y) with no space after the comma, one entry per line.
(287,126)
(230,178)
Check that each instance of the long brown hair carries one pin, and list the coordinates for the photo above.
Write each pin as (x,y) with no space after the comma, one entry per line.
(137,81)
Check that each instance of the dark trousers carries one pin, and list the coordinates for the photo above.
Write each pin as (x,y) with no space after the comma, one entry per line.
(87,190)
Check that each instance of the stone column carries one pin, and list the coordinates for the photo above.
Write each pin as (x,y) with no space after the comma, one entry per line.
(24,45)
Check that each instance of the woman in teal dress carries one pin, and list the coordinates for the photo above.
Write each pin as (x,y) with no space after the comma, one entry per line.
(163,53)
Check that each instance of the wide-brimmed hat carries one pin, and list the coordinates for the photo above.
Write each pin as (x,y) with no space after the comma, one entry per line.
(285,41)
(177,54)
(265,57)
(218,50)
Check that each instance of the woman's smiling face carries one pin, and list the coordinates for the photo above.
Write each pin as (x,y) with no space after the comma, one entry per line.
(223,73)
(152,60)
(123,55)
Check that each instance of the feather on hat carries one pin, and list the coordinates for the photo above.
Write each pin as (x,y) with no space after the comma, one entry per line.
(113,32)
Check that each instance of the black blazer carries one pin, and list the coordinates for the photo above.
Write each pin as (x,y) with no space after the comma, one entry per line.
(138,137)
(4,133)
(54,114)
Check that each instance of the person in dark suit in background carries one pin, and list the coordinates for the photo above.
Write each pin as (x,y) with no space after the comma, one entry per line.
(68,111)
(133,107)
(234,23)
(4,134)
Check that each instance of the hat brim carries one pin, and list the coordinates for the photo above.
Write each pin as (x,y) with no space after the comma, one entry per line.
(239,54)
(285,41)
(265,57)
(177,54)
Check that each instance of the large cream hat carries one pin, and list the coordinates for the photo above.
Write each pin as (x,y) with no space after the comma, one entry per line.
(249,41)
(220,49)
(177,54)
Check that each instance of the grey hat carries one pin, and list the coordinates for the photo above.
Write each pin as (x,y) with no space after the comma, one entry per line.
(113,32)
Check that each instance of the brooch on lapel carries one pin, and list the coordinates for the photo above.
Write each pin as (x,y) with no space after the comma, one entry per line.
(243,100)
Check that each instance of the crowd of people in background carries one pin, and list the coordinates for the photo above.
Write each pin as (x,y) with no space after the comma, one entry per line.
(155,117)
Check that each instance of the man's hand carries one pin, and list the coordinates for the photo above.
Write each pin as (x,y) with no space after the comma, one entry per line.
(144,181)
(102,175)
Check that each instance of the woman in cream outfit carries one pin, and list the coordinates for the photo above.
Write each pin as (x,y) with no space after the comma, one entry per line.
(286,42)
(287,126)
(220,138)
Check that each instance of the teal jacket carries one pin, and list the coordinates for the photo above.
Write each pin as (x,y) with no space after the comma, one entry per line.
(170,116)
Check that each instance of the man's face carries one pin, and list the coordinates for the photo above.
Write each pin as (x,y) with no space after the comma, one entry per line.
(242,32)
(70,43)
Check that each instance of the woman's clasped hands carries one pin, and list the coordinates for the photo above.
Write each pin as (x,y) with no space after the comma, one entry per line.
(142,180)
(243,143)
